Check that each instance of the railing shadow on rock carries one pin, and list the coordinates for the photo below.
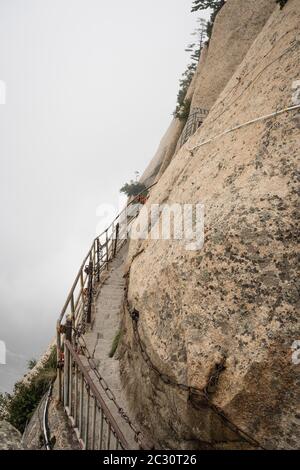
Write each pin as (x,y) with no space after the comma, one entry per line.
(75,315)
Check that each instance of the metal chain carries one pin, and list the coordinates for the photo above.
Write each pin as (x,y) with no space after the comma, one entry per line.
(138,436)
(203,394)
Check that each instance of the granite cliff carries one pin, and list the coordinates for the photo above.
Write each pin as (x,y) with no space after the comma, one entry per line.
(207,334)
(223,319)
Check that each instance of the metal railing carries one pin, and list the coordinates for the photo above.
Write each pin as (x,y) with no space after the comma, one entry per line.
(93,423)
(195,119)
(75,315)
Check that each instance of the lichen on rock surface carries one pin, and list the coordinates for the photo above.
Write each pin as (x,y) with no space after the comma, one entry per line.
(10,437)
(235,302)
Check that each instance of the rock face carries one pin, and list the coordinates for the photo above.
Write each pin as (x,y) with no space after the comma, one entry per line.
(164,152)
(10,438)
(29,376)
(231,38)
(61,433)
(167,146)
(229,310)
(236,27)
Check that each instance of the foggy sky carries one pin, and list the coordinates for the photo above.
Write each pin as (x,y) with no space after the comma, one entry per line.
(91,85)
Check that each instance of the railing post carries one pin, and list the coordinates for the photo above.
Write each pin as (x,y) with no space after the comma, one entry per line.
(81,286)
(69,329)
(67,360)
(116,239)
(87,418)
(76,396)
(66,375)
(89,271)
(81,391)
(112,239)
(98,259)
(106,243)
(93,424)
(58,359)
(72,316)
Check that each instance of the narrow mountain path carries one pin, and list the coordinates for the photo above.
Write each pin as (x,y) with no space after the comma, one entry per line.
(99,339)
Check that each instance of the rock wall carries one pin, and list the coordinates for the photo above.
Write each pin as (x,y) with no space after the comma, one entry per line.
(167,146)
(32,373)
(231,38)
(230,307)
(10,438)
(61,434)
(236,26)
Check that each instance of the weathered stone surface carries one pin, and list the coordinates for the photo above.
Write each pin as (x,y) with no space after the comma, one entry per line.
(32,373)
(231,39)
(164,152)
(236,300)
(61,434)
(167,146)
(10,437)
(237,25)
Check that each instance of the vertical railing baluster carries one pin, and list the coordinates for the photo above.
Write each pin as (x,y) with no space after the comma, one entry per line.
(66,375)
(76,395)
(67,360)
(70,384)
(106,244)
(81,404)
(72,313)
(82,287)
(108,436)
(87,418)
(89,270)
(101,429)
(112,239)
(116,240)
(93,423)
(98,259)
(58,359)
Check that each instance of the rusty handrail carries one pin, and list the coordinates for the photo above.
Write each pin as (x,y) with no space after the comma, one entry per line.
(70,403)
(92,247)
(78,304)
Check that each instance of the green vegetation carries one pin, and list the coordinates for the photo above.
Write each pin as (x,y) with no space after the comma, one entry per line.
(183,105)
(19,407)
(134,188)
(31,364)
(214,5)
(4,400)
(115,343)
(281,3)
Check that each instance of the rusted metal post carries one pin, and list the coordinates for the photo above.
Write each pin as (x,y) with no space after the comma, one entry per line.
(66,376)
(68,337)
(98,259)
(93,435)
(101,429)
(76,396)
(58,359)
(68,329)
(72,314)
(87,418)
(81,392)
(89,271)
(106,244)
(116,239)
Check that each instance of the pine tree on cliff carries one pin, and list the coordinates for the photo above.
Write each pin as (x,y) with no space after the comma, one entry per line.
(281,3)
(215,5)
(204,4)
